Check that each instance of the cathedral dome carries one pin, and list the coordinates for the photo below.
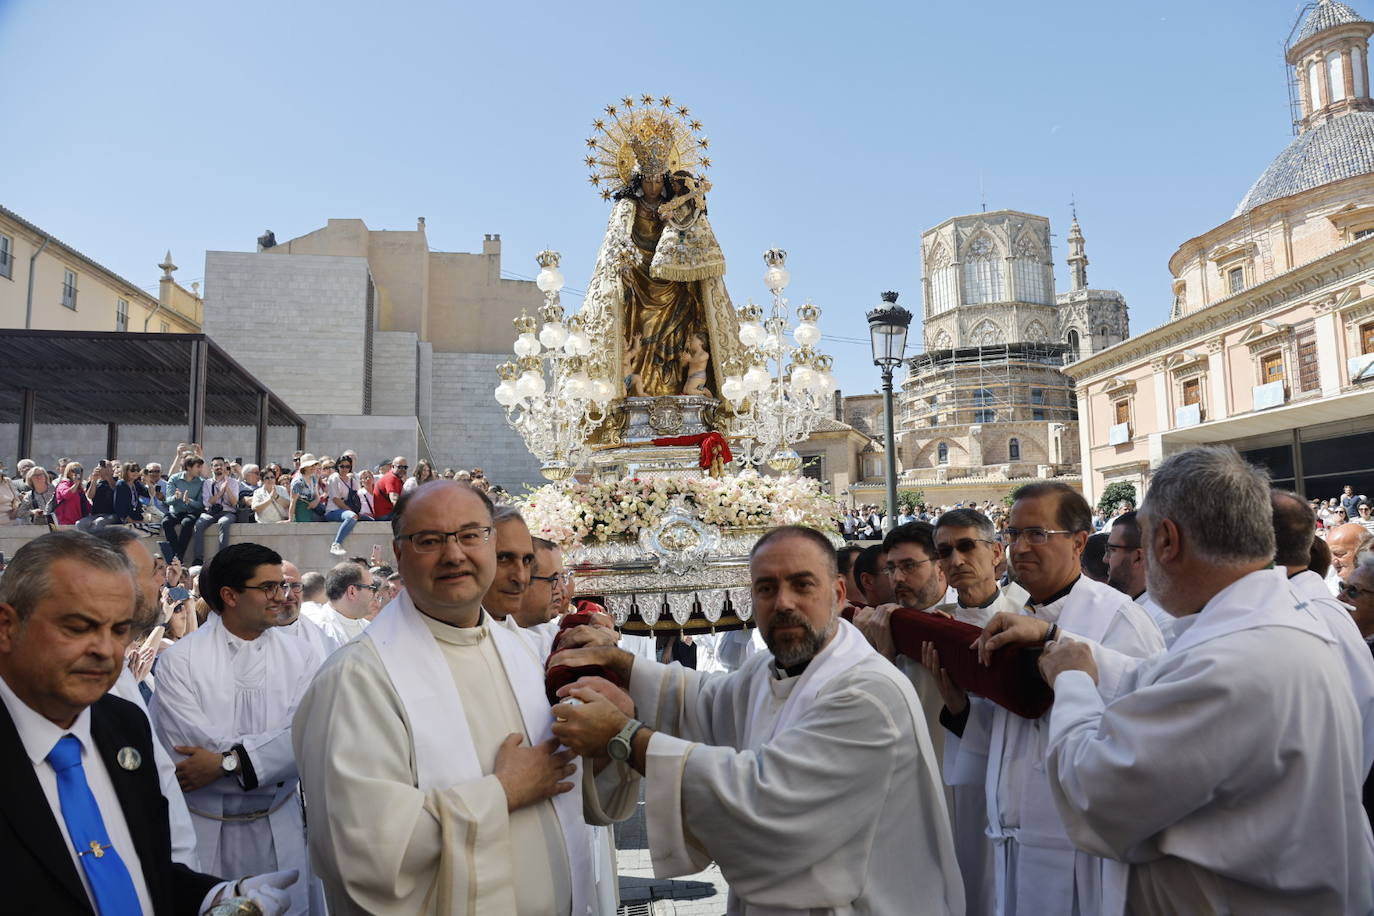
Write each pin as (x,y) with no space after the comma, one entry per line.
(1341,148)
(1326,15)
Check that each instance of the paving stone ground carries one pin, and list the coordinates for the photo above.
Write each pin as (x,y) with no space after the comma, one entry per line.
(641,894)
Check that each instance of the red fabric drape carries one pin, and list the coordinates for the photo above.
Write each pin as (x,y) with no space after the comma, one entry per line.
(713,446)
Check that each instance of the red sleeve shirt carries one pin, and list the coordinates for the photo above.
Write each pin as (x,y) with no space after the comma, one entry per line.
(387,492)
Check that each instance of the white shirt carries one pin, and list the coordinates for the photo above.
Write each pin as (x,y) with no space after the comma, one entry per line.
(339,627)
(39,735)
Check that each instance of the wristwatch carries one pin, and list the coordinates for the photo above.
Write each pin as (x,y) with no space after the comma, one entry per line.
(619,746)
(229,764)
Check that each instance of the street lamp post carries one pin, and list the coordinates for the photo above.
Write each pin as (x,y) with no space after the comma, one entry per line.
(887,325)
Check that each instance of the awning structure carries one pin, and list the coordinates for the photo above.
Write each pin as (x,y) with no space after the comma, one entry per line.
(115,378)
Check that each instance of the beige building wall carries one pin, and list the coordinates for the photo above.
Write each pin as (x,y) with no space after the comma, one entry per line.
(456,301)
(94,301)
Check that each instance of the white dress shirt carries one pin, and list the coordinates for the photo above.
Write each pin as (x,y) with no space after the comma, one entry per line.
(39,735)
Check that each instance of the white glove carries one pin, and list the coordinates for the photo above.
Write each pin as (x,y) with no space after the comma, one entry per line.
(269,890)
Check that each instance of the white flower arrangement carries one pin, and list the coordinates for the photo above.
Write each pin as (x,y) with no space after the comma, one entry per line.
(586,513)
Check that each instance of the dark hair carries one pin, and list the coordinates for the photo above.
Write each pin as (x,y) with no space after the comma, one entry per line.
(867,563)
(117,536)
(233,566)
(844,558)
(1319,559)
(1295,528)
(544,544)
(1074,513)
(312,583)
(807,534)
(968,518)
(191,461)
(1131,523)
(398,512)
(27,579)
(922,534)
(341,578)
(1094,558)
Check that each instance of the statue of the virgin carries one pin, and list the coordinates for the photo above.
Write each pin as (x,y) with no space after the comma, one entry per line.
(657,304)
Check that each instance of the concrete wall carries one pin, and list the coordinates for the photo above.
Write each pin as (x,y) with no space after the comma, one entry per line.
(314,363)
(468,428)
(86,443)
(374,438)
(306,545)
(394,373)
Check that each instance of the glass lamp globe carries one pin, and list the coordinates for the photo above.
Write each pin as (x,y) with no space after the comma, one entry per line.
(506,395)
(526,345)
(602,391)
(530,384)
(803,377)
(807,334)
(776,279)
(751,334)
(756,379)
(549,280)
(553,334)
(732,389)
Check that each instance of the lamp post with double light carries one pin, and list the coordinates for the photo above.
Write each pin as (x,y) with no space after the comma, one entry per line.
(887,325)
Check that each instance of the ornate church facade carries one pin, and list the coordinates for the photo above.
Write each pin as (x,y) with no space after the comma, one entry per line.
(987,405)
(1271,345)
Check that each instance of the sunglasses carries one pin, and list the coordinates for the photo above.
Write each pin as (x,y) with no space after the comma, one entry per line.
(1353,591)
(963,545)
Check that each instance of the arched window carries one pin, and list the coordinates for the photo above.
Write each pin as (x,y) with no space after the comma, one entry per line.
(982,272)
(1071,339)
(944,277)
(1013,449)
(1029,273)
(942,453)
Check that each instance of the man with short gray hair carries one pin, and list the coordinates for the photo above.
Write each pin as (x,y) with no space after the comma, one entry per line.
(1196,773)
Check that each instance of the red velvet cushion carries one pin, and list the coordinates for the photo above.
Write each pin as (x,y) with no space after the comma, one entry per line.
(1013,681)
(561,675)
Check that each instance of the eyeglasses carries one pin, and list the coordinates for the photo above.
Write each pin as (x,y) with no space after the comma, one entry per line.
(1353,591)
(1032,535)
(1110,547)
(906,567)
(431,541)
(556,577)
(275,589)
(372,588)
(963,545)
(400,467)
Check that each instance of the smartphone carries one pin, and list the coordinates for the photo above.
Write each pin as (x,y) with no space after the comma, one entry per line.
(177,593)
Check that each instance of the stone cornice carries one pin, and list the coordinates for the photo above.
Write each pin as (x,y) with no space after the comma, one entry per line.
(1345,265)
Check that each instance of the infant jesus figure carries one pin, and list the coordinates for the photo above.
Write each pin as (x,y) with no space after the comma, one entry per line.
(695,358)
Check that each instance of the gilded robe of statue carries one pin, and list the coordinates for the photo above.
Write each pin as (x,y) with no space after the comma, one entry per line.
(657,281)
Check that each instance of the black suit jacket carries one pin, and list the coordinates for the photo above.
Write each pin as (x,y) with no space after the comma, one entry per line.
(40,875)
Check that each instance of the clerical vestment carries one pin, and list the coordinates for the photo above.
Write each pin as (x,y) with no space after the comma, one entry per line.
(815,794)
(1227,771)
(1036,867)
(217,691)
(392,832)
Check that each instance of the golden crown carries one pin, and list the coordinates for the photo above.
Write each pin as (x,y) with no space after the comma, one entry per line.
(644,135)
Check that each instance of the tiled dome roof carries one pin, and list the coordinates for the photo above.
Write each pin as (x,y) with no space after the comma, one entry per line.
(1341,148)
(1326,15)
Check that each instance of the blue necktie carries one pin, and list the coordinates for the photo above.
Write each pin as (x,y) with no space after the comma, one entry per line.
(106,873)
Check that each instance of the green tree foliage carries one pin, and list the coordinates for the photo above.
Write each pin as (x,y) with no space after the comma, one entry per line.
(1113,494)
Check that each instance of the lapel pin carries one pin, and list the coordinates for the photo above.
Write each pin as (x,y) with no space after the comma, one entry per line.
(129,758)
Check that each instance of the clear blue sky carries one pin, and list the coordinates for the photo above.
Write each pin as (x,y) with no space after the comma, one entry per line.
(839,130)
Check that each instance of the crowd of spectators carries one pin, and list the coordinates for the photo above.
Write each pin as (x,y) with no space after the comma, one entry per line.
(199,493)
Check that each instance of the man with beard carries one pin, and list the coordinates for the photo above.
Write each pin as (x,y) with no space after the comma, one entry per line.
(1346,542)
(224,701)
(807,774)
(293,624)
(1126,568)
(147,615)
